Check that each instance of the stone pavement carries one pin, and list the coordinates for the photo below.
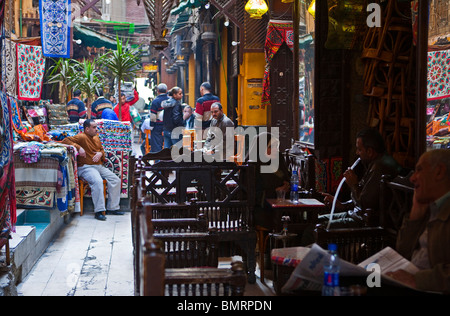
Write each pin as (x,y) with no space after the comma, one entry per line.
(88,258)
(94,258)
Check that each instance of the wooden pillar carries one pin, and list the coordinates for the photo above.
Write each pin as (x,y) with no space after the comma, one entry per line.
(421,69)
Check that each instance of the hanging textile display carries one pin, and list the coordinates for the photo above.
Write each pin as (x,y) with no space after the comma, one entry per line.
(438,80)
(278,32)
(30,72)
(7,177)
(55,16)
(9,71)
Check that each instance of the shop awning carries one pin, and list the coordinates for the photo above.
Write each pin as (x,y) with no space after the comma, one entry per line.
(92,38)
(305,41)
(119,26)
(181,22)
(188,4)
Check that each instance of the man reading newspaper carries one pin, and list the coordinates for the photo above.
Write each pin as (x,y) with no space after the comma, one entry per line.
(422,257)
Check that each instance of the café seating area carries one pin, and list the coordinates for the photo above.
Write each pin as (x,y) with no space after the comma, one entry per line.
(187,215)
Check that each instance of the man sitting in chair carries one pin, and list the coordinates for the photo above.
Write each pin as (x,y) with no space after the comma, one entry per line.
(90,167)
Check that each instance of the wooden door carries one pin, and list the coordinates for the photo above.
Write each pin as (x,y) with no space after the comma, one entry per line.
(280,112)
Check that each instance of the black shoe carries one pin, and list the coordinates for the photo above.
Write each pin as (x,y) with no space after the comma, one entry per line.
(100,216)
(114,213)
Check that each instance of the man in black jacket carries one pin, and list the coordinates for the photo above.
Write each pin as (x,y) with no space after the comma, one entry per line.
(173,117)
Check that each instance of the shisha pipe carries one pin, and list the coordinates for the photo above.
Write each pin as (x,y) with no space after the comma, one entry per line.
(337,192)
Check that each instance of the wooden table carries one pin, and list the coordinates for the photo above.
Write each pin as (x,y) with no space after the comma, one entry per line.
(302,214)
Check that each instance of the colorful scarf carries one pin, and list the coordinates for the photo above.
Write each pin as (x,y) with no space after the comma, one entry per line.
(56,19)
(277,34)
(30,72)
(438,75)
(7,177)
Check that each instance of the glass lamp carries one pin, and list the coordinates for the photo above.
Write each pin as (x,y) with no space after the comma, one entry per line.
(256,8)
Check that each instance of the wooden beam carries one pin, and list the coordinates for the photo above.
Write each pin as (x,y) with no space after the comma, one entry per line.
(88,5)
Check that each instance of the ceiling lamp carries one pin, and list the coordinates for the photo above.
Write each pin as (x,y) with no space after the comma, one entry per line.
(158,13)
(256,8)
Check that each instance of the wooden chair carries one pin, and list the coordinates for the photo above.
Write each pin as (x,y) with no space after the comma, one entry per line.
(154,279)
(188,139)
(148,134)
(239,157)
(83,185)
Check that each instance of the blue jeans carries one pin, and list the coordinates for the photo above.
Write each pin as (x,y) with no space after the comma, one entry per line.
(169,142)
(156,141)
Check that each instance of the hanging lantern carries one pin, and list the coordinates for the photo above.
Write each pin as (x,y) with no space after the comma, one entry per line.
(256,8)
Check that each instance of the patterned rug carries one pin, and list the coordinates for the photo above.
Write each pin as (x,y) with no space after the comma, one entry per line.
(438,75)
(277,34)
(30,72)
(7,179)
(55,18)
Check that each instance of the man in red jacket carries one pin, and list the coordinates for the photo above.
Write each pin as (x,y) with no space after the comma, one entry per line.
(126,103)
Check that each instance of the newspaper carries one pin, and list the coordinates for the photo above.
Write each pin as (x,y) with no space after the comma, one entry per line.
(308,275)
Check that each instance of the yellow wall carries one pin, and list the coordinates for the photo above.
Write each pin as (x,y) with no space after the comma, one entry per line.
(223,92)
(192,86)
(251,77)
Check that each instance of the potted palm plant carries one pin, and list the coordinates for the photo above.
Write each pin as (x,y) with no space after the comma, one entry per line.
(63,71)
(123,63)
(88,78)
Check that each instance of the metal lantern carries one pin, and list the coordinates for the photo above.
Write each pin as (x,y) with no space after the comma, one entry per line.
(180,62)
(186,47)
(256,8)
(208,34)
(158,13)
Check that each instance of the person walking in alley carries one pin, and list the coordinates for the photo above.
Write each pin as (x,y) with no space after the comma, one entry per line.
(203,105)
(156,119)
(173,117)
(91,157)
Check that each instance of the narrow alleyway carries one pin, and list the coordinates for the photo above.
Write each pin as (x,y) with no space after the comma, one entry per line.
(88,258)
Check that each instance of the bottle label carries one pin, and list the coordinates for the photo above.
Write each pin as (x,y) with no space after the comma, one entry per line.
(331,279)
(294,187)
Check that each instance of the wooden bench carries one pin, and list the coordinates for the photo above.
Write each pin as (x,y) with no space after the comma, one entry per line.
(157,280)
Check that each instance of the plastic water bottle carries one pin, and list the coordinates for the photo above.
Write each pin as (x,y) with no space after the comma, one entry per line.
(294,187)
(331,270)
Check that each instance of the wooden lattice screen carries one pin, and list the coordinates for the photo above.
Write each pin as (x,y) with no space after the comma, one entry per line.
(389,81)
(252,32)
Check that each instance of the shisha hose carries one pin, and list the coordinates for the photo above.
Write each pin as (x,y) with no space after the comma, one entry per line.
(337,193)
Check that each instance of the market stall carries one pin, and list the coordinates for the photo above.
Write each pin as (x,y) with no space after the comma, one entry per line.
(46,169)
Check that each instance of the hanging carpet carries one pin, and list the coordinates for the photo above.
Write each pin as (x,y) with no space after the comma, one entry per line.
(7,176)
(55,18)
(30,72)
(278,32)
(438,80)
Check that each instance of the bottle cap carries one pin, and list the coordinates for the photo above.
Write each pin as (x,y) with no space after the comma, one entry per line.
(332,247)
